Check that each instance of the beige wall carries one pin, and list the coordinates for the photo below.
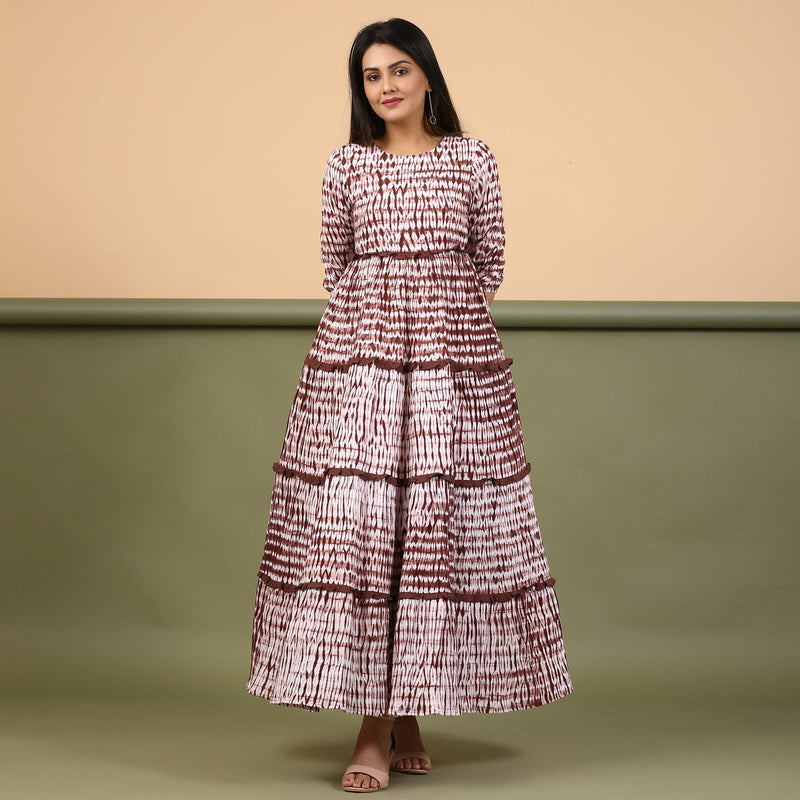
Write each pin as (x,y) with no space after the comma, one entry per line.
(648,150)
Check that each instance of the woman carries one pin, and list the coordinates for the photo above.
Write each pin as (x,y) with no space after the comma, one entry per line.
(403,572)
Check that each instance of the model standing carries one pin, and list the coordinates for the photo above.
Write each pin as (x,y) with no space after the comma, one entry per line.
(404,572)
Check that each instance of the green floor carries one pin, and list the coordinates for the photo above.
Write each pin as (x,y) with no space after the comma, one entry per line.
(243,748)
(134,489)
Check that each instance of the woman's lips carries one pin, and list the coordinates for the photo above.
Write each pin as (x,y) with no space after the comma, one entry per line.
(393,102)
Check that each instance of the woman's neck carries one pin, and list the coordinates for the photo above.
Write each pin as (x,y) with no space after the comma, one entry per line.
(405,142)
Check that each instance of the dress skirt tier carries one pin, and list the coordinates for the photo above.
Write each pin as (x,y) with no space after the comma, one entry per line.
(403,570)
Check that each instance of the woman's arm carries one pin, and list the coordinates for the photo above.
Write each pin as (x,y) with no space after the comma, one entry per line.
(336,235)
(486,239)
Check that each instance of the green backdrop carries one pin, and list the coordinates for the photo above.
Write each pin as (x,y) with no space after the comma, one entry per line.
(137,448)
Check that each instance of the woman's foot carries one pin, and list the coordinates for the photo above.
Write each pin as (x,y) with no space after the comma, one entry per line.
(409,746)
(373,749)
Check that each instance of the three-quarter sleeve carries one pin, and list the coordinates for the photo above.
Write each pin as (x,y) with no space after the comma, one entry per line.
(487,236)
(336,236)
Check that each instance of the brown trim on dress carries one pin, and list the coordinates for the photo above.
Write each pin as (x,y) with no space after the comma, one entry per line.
(311,477)
(408,366)
(365,594)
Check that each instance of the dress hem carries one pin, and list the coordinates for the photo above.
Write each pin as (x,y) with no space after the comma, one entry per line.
(401,711)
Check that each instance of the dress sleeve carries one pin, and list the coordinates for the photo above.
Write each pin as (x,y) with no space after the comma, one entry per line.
(487,236)
(336,236)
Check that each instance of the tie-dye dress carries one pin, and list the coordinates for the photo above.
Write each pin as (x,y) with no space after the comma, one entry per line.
(403,570)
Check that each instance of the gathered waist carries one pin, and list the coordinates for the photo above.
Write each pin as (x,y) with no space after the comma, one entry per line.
(409,254)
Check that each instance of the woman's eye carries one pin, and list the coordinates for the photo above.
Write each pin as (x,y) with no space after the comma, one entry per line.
(372,77)
(401,71)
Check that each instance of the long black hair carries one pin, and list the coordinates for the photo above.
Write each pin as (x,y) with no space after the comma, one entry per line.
(365,124)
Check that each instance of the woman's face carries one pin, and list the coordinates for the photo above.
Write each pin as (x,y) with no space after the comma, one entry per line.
(394,84)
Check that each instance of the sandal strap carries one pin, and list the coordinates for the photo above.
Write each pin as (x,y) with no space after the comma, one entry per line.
(379,775)
(420,754)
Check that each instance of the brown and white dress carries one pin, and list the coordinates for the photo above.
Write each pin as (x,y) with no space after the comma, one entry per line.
(403,570)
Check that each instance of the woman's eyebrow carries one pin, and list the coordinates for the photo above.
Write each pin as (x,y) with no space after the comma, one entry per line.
(391,66)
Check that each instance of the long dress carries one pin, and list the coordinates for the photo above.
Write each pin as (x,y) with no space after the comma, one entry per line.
(403,569)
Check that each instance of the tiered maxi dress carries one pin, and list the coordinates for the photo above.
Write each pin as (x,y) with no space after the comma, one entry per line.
(403,570)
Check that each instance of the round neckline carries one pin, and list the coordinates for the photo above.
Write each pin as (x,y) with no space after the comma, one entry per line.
(410,155)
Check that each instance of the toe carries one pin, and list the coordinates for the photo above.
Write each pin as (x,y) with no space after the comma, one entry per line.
(366,782)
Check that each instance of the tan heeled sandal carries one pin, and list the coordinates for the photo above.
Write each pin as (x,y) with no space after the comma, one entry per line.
(373,772)
(402,756)
(378,774)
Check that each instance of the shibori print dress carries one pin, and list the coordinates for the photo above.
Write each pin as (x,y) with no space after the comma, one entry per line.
(403,570)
